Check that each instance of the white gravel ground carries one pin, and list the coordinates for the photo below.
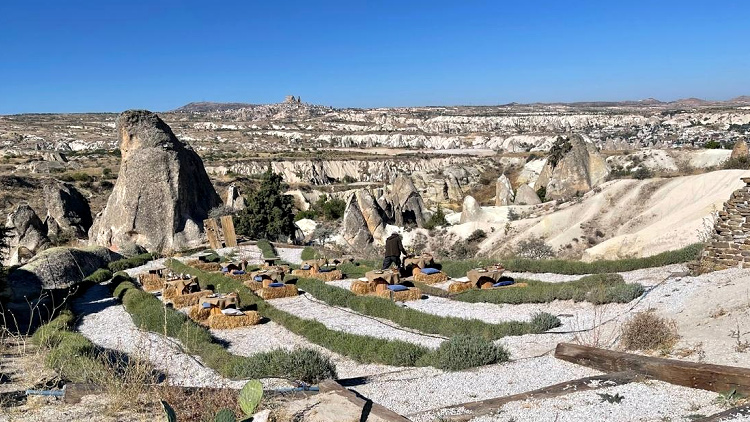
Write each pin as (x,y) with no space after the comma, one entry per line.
(334,318)
(270,336)
(291,255)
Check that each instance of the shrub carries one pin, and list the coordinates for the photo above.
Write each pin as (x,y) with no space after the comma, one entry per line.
(544,321)
(462,352)
(99,276)
(269,213)
(712,145)
(436,220)
(136,261)
(534,248)
(648,331)
(309,253)
(266,248)
(476,236)
(312,215)
(642,173)
(740,163)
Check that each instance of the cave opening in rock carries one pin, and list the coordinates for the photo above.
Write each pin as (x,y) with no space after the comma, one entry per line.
(409,218)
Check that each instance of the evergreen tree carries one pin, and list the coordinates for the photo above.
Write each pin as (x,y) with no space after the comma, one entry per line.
(269,213)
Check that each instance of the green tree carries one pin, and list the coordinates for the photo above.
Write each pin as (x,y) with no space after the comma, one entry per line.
(269,213)
(436,219)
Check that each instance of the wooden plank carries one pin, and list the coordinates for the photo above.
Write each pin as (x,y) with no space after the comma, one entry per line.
(227,227)
(483,407)
(727,415)
(717,378)
(212,232)
(368,406)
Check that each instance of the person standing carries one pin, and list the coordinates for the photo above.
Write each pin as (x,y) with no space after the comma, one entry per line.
(393,250)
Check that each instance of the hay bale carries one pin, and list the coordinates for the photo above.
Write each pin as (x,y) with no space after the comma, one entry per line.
(198,313)
(459,287)
(151,282)
(413,293)
(421,277)
(486,285)
(302,273)
(190,299)
(204,266)
(288,290)
(328,276)
(169,292)
(224,322)
(253,285)
(361,288)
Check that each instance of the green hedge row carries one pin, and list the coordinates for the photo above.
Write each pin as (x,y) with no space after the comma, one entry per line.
(361,348)
(149,313)
(422,321)
(597,289)
(267,249)
(136,261)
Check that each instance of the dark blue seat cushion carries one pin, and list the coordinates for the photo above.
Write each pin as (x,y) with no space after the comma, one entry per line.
(503,283)
(276,285)
(225,270)
(305,267)
(397,288)
(430,271)
(258,278)
(238,272)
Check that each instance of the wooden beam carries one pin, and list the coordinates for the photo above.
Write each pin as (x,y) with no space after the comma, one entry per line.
(227,227)
(477,408)
(212,232)
(367,405)
(717,378)
(727,415)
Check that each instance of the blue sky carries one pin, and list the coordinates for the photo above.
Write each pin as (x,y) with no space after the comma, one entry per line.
(77,56)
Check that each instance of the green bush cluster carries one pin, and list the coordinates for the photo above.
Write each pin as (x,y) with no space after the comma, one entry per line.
(597,289)
(424,322)
(436,220)
(361,348)
(463,352)
(74,357)
(267,249)
(269,213)
(330,209)
(309,253)
(99,276)
(136,261)
(150,314)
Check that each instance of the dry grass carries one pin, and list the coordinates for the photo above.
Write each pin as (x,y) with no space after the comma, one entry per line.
(413,293)
(190,299)
(223,322)
(459,287)
(199,404)
(288,290)
(421,277)
(361,288)
(648,331)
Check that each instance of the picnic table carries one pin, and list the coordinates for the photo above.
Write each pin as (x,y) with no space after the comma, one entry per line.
(321,262)
(421,261)
(492,273)
(390,277)
(222,301)
(273,274)
(182,285)
(271,261)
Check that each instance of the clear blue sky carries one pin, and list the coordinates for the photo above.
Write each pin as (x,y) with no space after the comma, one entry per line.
(109,55)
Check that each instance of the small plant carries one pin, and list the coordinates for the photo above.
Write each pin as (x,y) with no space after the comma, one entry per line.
(740,346)
(648,331)
(609,398)
(544,321)
(250,396)
(462,352)
(436,220)
(534,248)
(642,173)
(225,415)
(729,399)
(476,236)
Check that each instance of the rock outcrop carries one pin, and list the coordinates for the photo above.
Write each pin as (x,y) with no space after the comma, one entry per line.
(525,195)
(573,167)
(162,193)
(730,242)
(28,235)
(405,203)
(740,150)
(355,231)
(471,210)
(68,208)
(235,200)
(503,191)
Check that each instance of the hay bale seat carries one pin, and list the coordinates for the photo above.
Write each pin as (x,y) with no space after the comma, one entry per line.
(190,299)
(413,293)
(361,288)
(303,273)
(459,287)
(151,282)
(328,275)
(287,290)
(219,321)
(204,266)
(198,313)
(253,285)
(421,277)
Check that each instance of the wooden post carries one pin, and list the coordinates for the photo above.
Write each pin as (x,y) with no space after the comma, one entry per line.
(212,232)
(227,227)
(717,378)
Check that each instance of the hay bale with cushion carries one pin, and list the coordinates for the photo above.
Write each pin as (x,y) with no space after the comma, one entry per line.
(198,313)
(399,293)
(253,285)
(328,275)
(233,319)
(190,299)
(151,282)
(430,276)
(277,291)
(302,273)
(459,287)
(362,288)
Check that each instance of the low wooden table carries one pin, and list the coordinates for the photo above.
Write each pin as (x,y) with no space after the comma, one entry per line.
(313,262)
(181,285)
(421,261)
(275,275)
(491,274)
(390,277)
(222,301)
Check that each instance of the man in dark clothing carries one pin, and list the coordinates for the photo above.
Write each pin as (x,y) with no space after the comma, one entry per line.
(393,251)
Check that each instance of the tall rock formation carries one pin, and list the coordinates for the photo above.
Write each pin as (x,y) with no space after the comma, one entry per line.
(406,203)
(162,193)
(355,231)
(67,208)
(503,191)
(574,166)
(740,150)
(235,200)
(471,210)
(28,235)
(525,195)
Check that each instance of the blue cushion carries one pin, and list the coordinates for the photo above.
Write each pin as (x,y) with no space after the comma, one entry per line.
(326,270)
(276,285)
(397,288)
(225,269)
(306,267)
(258,278)
(503,283)
(238,272)
(206,305)
(429,271)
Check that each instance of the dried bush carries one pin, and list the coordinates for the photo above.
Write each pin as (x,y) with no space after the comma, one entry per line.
(648,331)
(534,248)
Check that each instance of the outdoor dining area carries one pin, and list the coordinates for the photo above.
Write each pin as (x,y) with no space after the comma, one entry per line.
(386,284)
(422,268)
(320,269)
(489,277)
(222,311)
